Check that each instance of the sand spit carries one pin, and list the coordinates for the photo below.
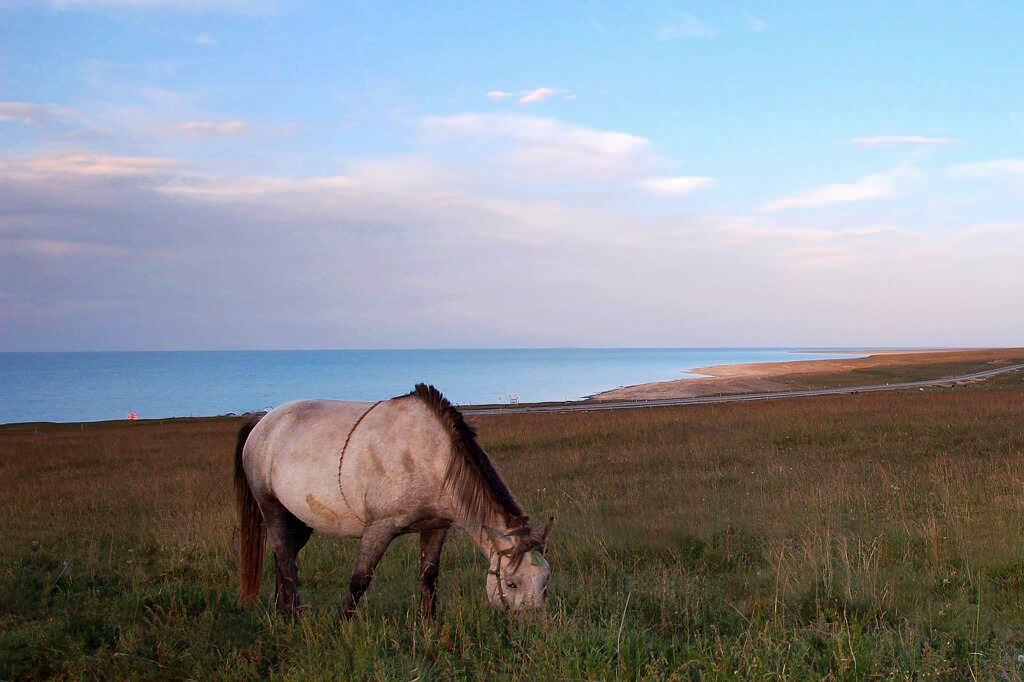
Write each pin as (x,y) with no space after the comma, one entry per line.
(796,374)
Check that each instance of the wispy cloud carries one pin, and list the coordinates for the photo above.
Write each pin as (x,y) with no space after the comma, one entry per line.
(1000,227)
(549,146)
(530,96)
(28,113)
(675,186)
(989,168)
(755,24)
(205,40)
(236,6)
(538,129)
(538,95)
(895,140)
(875,186)
(56,248)
(800,249)
(685,26)
(199,129)
(84,164)
(219,187)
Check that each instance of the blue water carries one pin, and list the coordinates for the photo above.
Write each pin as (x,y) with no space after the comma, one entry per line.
(72,387)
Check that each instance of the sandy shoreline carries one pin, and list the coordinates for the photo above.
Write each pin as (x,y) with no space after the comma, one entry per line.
(782,376)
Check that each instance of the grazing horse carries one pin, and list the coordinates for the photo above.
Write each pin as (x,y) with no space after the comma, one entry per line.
(375,471)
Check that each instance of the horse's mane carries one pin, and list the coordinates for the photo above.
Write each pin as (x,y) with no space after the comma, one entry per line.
(477,485)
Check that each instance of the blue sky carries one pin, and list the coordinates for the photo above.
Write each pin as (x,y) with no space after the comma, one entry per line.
(230,174)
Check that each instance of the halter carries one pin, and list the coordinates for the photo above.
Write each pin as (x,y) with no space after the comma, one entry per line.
(341,459)
(497,576)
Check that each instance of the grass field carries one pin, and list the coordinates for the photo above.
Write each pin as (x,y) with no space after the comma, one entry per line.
(846,537)
(909,367)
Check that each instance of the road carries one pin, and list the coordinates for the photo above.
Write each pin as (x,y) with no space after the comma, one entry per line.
(594,406)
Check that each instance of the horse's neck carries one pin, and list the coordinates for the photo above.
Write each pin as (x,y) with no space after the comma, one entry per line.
(474,518)
(478,533)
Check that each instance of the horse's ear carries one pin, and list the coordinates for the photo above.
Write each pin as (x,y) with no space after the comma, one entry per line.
(544,534)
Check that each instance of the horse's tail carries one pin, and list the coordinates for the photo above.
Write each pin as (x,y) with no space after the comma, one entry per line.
(250,523)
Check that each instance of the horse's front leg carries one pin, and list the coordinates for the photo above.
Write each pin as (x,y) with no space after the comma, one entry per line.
(431,542)
(376,538)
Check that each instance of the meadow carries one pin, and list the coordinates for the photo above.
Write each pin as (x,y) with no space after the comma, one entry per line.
(871,536)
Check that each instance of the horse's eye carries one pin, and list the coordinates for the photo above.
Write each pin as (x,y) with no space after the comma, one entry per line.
(510,585)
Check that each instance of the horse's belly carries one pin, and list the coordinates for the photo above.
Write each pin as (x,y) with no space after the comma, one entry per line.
(317,502)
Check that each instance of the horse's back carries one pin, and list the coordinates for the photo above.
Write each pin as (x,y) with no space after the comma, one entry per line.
(293,457)
(338,465)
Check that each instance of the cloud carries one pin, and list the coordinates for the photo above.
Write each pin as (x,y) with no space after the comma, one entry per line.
(535,129)
(755,24)
(890,141)
(1011,167)
(84,164)
(871,231)
(28,113)
(1000,227)
(401,222)
(685,26)
(129,252)
(205,40)
(538,95)
(867,188)
(205,130)
(548,146)
(530,96)
(675,186)
(55,248)
(216,187)
(236,6)
(803,249)
(219,187)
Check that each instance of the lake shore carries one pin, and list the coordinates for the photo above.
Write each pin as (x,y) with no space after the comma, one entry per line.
(807,374)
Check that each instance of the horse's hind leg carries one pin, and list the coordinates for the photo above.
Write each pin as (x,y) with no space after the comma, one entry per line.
(431,543)
(376,538)
(287,535)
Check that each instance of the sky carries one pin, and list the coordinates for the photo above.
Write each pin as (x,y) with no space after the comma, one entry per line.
(226,174)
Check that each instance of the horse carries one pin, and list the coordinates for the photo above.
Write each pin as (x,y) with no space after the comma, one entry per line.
(375,471)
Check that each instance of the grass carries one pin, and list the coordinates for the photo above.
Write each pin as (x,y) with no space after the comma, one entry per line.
(906,368)
(844,537)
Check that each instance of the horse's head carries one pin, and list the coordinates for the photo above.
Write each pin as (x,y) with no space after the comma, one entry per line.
(518,576)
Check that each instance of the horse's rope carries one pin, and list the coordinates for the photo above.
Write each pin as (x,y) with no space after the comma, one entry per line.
(501,588)
(341,460)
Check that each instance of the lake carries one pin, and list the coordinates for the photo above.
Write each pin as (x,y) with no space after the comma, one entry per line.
(71,387)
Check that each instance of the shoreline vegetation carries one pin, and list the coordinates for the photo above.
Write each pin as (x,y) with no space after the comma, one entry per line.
(867,536)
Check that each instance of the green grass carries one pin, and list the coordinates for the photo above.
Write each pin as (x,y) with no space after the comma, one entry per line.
(844,537)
